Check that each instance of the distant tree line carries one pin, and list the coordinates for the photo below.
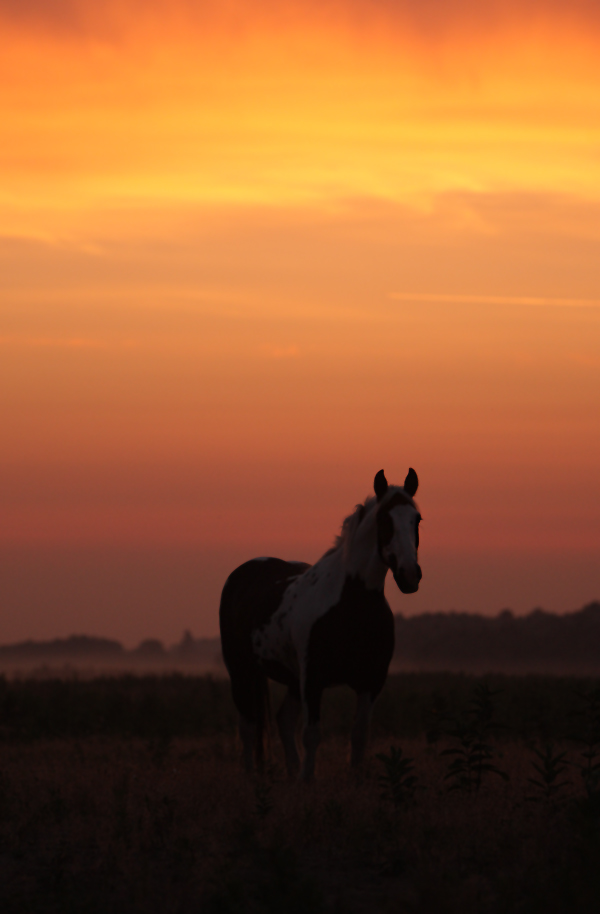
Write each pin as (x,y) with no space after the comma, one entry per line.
(85,650)
(540,642)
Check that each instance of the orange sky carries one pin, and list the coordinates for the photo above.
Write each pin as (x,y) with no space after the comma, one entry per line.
(251,253)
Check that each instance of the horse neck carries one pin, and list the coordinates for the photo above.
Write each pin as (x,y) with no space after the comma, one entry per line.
(360,557)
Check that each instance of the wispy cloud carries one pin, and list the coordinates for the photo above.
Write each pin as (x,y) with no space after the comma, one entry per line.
(58,342)
(430,17)
(451,299)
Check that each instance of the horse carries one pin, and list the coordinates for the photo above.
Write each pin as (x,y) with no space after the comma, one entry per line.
(309,627)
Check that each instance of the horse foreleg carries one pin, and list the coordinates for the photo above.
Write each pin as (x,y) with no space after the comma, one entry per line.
(311,736)
(248,736)
(360,730)
(287,720)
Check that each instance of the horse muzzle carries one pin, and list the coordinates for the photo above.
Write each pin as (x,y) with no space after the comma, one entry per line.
(408,581)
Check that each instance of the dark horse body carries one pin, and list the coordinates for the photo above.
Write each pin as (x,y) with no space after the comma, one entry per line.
(310,627)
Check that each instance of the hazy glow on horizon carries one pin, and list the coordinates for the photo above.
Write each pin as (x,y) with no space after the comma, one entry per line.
(252,253)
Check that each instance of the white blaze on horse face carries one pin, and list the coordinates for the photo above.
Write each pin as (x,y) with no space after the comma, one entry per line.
(362,558)
(401,552)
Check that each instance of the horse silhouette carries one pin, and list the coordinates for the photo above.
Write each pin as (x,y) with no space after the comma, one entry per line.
(310,627)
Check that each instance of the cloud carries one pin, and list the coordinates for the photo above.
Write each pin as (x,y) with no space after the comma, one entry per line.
(54,342)
(530,300)
(433,19)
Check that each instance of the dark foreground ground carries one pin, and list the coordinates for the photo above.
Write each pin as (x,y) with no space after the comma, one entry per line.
(125,794)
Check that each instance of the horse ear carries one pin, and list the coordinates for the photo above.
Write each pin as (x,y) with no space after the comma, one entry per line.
(411,483)
(380,485)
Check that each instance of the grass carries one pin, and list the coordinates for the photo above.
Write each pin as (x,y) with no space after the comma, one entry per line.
(127,815)
(154,706)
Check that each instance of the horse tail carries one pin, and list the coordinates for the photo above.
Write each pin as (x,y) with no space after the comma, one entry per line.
(262,705)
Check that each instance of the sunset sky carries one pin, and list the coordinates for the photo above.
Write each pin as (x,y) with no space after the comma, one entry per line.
(251,253)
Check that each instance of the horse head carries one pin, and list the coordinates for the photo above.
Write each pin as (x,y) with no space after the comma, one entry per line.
(398,521)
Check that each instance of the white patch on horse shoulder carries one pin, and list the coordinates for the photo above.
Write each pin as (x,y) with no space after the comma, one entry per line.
(272,642)
(308,597)
(277,639)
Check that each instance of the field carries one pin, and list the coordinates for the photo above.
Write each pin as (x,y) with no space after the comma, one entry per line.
(124,794)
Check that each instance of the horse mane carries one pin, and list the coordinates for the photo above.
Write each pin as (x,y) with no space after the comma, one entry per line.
(350,526)
(351,523)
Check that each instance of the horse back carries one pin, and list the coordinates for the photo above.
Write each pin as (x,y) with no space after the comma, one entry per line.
(252,593)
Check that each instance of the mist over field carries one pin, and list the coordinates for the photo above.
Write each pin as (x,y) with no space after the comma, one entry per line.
(539,642)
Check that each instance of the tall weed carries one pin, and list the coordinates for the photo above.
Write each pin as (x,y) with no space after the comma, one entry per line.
(473,757)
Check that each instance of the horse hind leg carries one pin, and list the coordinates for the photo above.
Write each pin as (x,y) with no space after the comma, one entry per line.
(248,735)
(250,696)
(360,730)
(287,720)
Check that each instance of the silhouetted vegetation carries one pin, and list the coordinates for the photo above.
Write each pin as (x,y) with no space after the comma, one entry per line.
(439,705)
(119,706)
(472,755)
(126,794)
(538,642)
